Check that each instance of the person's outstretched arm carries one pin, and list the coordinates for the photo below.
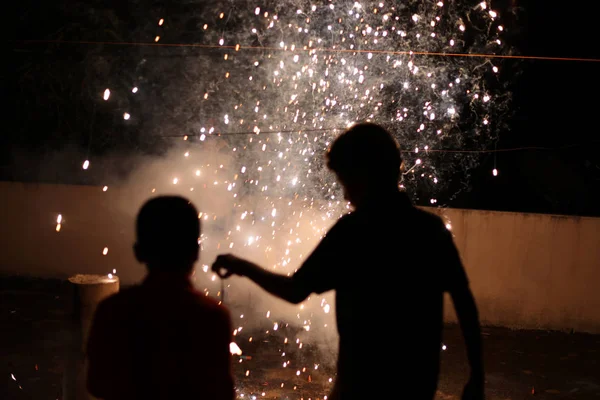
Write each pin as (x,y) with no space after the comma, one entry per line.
(468,317)
(318,273)
(284,287)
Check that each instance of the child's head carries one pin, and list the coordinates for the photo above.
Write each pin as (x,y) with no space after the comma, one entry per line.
(167,231)
(366,159)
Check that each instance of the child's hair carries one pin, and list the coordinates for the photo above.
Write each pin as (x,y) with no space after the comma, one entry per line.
(168,230)
(366,150)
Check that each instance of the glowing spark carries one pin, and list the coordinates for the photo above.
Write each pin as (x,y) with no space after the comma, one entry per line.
(126,116)
(105,251)
(106,94)
(86,164)
(234,349)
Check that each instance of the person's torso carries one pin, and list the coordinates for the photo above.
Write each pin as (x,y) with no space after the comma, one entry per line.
(165,340)
(389,299)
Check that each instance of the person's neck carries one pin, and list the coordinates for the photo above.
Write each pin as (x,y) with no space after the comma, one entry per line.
(378,193)
(176,273)
(376,196)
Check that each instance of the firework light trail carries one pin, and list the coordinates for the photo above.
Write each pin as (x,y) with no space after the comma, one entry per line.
(287,77)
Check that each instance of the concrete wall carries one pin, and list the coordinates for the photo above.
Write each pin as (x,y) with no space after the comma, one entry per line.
(526,270)
(531,270)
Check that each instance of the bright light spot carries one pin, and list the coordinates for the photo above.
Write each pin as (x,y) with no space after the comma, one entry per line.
(105,251)
(126,116)
(495,172)
(235,349)
(134,90)
(106,94)
(105,188)
(86,164)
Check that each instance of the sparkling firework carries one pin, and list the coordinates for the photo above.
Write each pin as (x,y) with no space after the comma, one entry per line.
(273,86)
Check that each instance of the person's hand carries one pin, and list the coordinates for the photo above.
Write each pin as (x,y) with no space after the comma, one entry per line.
(474,390)
(227,264)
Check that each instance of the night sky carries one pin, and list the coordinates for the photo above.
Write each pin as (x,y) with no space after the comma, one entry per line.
(555,103)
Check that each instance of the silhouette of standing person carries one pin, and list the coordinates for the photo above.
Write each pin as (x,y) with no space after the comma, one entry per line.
(162,339)
(388,261)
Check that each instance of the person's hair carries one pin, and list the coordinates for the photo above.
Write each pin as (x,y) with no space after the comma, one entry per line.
(168,230)
(366,151)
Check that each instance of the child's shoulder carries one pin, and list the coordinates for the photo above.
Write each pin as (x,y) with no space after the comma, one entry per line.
(125,295)
(209,305)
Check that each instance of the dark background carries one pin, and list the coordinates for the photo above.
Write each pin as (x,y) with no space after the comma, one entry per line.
(49,87)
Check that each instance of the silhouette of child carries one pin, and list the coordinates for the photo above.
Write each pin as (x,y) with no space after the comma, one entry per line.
(162,339)
(387,261)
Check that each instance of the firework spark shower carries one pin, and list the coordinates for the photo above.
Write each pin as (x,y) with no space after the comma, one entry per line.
(276,84)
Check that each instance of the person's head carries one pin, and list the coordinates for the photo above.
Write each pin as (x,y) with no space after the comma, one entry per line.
(366,159)
(167,232)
